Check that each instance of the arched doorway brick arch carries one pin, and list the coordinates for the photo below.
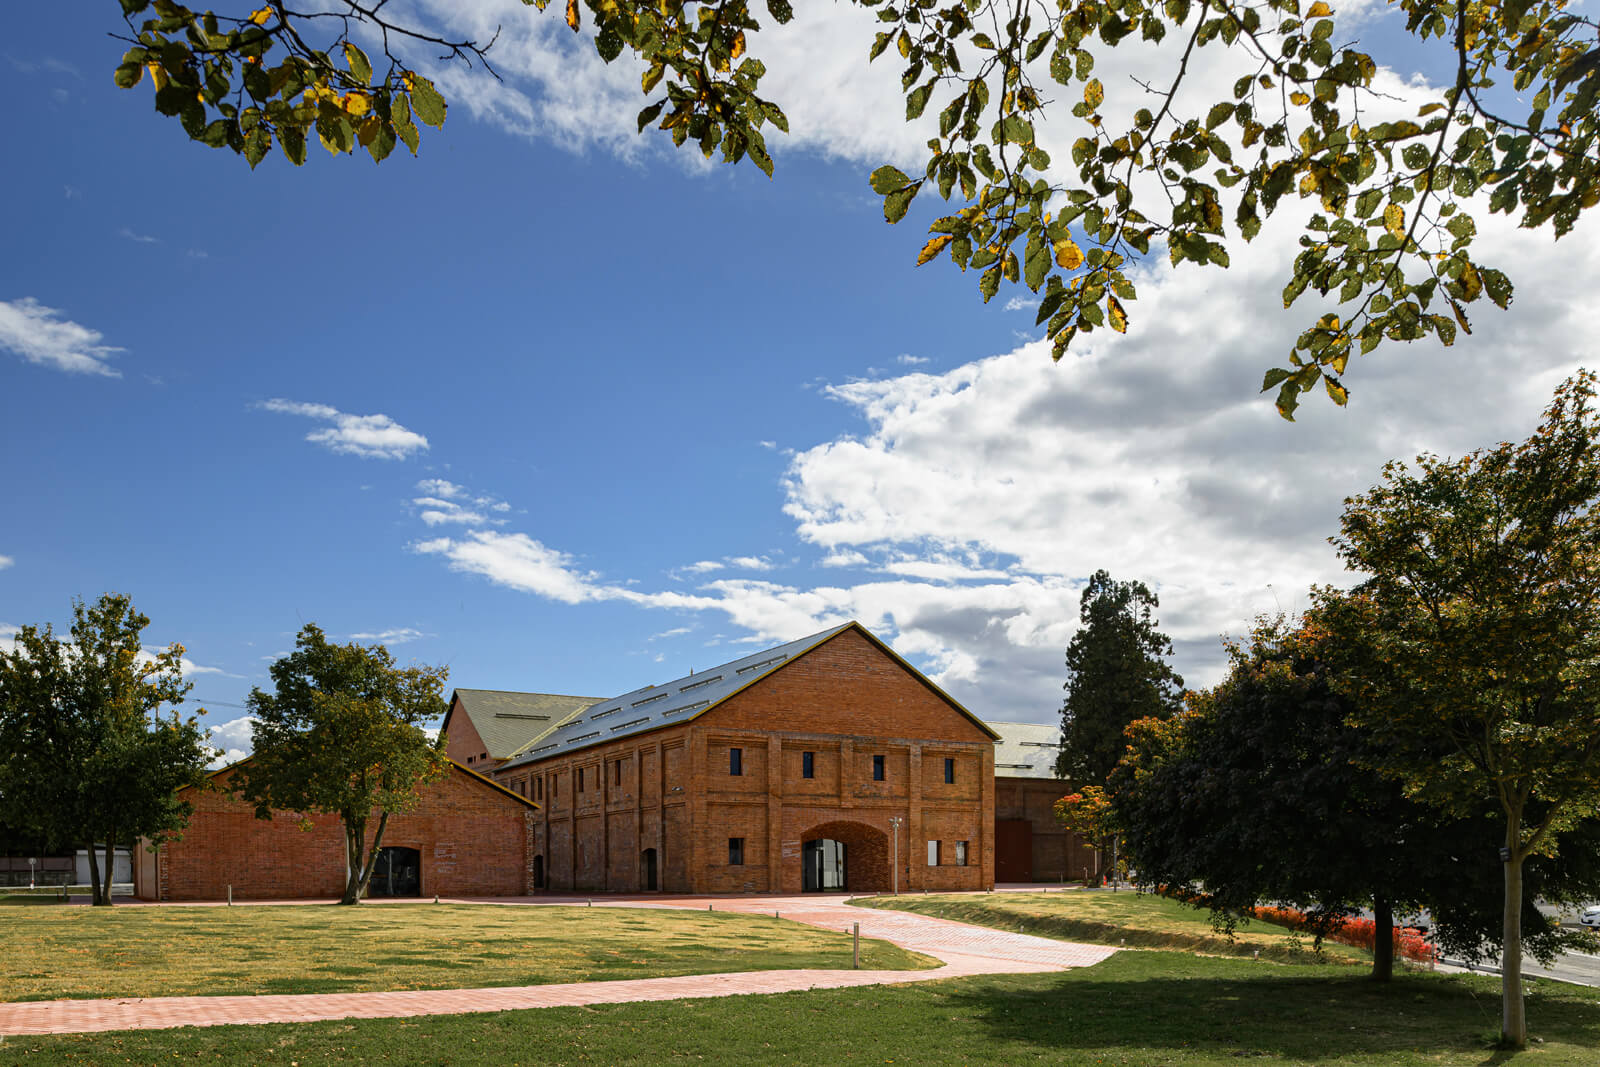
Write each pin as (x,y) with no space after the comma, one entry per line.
(866,853)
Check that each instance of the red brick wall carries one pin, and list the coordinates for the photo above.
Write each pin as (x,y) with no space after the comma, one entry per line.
(472,838)
(1057,853)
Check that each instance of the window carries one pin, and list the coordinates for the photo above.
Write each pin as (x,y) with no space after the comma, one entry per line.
(616,775)
(580,779)
(808,764)
(555,785)
(933,853)
(735,851)
(961,853)
(949,771)
(538,788)
(877,768)
(736,761)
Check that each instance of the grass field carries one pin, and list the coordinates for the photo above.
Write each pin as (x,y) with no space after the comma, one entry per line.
(63,953)
(1136,1009)
(1134,920)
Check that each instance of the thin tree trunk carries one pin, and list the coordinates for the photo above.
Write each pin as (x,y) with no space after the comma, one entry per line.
(1513,1015)
(1382,938)
(111,866)
(372,856)
(94,876)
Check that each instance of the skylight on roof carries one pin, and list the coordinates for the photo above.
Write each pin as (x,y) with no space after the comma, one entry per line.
(1039,744)
(630,722)
(521,715)
(699,683)
(603,714)
(543,748)
(582,737)
(763,663)
(681,708)
(659,696)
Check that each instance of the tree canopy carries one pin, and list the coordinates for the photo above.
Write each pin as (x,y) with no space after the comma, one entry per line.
(342,734)
(90,755)
(1388,237)
(1474,649)
(1116,673)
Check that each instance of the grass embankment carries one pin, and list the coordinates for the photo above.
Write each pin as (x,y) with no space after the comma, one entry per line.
(1125,918)
(66,953)
(1134,1010)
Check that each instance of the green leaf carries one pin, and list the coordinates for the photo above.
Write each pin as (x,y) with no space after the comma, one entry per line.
(896,203)
(1275,376)
(426,101)
(293,139)
(887,179)
(360,66)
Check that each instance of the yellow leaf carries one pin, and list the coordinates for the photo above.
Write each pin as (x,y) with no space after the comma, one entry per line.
(1319,10)
(1461,316)
(1068,255)
(738,44)
(1308,184)
(260,17)
(158,74)
(1299,99)
(1338,392)
(572,15)
(1094,93)
(1394,219)
(1117,317)
(1471,281)
(933,247)
(356,103)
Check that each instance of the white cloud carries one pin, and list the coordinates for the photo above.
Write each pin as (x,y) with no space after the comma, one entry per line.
(138,238)
(440,487)
(367,436)
(6,561)
(908,360)
(446,502)
(187,666)
(232,739)
(39,335)
(391,637)
(1022,303)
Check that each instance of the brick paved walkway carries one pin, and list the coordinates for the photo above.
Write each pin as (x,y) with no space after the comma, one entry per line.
(965,950)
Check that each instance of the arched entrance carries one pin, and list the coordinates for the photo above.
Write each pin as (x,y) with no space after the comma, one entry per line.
(398,873)
(647,869)
(841,855)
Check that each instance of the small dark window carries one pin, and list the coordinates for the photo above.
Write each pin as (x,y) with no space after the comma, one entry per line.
(616,777)
(808,764)
(555,785)
(580,779)
(735,851)
(538,788)
(949,770)
(735,761)
(877,768)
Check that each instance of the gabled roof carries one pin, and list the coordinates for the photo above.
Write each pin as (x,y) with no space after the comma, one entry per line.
(691,696)
(508,721)
(1026,750)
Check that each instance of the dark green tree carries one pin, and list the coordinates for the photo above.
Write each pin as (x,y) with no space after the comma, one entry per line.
(342,734)
(1476,643)
(1116,673)
(92,757)
(1155,167)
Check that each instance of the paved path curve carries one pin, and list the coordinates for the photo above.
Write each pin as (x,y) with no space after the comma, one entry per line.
(965,950)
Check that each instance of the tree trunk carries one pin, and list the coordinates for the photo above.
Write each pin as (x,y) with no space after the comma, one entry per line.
(355,833)
(94,876)
(111,842)
(1513,1016)
(1382,938)
(372,854)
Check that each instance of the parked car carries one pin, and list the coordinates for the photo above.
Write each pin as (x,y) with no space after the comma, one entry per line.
(1590,916)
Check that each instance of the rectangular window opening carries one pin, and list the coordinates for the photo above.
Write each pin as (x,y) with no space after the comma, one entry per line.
(616,776)
(949,771)
(736,761)
(808,764)
(736,852)
(961,853)
(580,779)
(933,853)
(877,768)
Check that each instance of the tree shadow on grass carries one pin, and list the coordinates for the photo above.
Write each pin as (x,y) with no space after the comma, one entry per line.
(1158,1002)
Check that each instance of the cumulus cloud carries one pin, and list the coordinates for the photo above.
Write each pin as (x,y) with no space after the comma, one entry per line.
(367,436)
(6,561)
(39,335)
(232,740)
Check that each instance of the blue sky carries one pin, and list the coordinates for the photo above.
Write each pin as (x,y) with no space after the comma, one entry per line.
(568,411)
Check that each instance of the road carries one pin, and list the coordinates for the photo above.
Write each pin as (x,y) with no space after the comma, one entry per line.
(1581,968)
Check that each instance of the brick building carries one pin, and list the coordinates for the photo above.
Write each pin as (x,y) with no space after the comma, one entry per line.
(467,837)
(1030,845)
(814,765)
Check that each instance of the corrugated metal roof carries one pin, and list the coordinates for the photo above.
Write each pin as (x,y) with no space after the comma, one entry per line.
(681,700)
(508,721)
(1025,750)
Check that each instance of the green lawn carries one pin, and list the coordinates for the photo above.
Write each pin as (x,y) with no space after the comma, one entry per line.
(1134,920)
(1136,1009)
(60,953)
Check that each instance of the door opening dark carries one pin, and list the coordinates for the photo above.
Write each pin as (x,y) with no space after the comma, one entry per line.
(647,868)
(822,866)
(398,873)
